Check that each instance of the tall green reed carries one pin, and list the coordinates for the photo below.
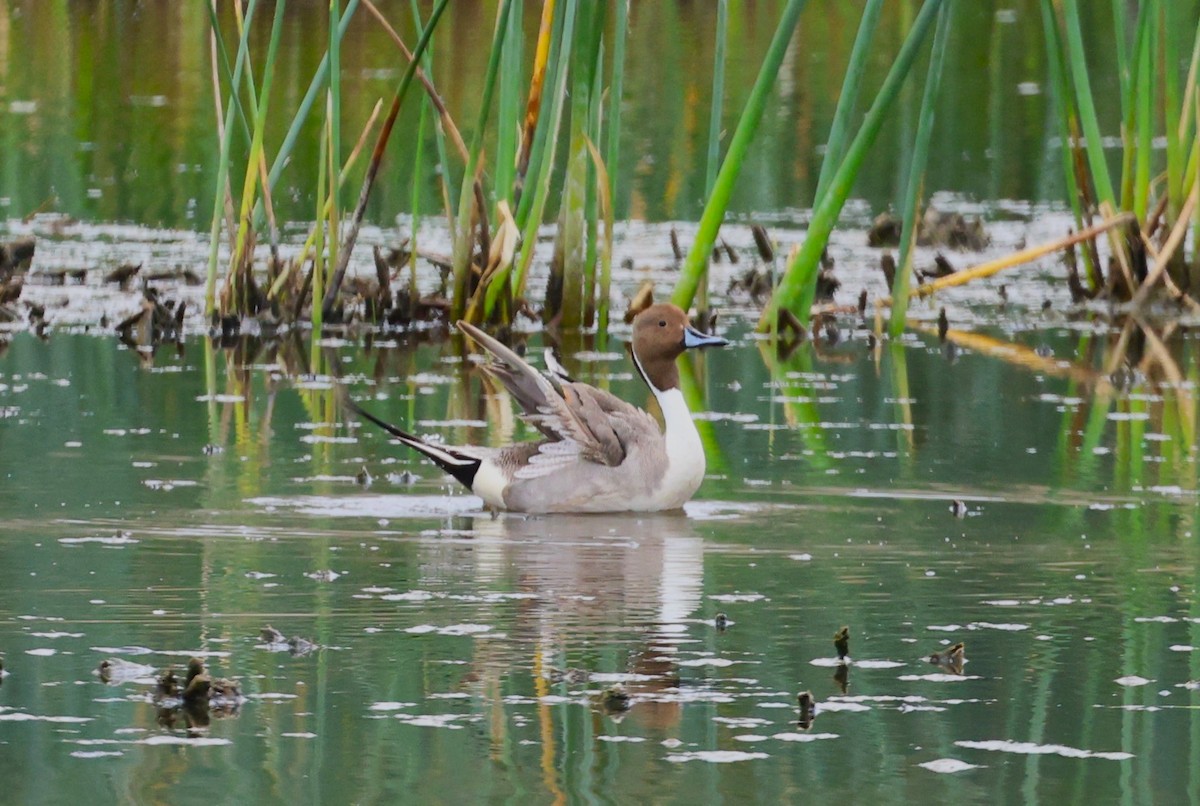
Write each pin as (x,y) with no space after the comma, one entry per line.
(916,179)
(718,201)
(798,287)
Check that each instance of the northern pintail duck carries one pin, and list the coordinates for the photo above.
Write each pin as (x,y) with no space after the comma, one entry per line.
(599,454)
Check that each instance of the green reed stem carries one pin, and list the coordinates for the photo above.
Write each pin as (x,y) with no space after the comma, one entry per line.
(250,187)
(306,104)
(418,164)
(572,233)
(316,313)
(464,234)
(210,288)
(377,157)
(798,286)
(223,64)
(543,156)
(1064,98)
(335,122)
(439,132)
(916,178)
(1172,19)
(508,116)
(615,89)
(1086,104)
(731,167)
(714,123)
(835,149)
(592,199)
(1143,117)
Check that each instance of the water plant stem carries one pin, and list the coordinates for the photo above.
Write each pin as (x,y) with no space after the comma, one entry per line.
(798,286)
(916,178)
(376,158)
(718,202)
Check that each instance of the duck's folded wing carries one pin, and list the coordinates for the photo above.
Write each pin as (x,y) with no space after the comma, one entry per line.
(567,414)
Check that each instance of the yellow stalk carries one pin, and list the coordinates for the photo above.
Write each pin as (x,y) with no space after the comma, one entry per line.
(1016,259)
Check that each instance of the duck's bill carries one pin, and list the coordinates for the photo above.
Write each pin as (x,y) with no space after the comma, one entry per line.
(694,338)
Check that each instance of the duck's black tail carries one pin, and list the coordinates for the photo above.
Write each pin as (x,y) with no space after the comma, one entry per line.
(454,462)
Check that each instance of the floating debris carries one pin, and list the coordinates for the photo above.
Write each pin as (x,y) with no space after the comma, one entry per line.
(200,687)
(117,671)
(615,700)
(884,231)
(762,242)
(941,268)
(841,642)
(947,765)
(642,300)
(951,660)
(841,676)
(16,257)
(935,228)
(676,249)
(570,675)
(887,264)
(808,705)
(123,274)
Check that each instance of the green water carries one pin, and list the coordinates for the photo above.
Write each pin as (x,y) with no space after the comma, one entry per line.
(1074,566)
(113,119)
(158,507)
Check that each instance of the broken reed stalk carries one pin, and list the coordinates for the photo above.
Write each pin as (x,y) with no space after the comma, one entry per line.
(1163,259)
(916,177)
(324,211)
(731,167)
(1016,259)
(376,158)
(798,287)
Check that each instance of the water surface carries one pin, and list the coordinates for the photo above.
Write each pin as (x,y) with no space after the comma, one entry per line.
(147,518)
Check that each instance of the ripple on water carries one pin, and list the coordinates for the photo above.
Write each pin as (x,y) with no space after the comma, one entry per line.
(715,756)
(948,765)
(1030,748)
(192,741)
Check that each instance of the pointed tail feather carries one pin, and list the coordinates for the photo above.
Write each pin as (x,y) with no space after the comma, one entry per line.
(457,464)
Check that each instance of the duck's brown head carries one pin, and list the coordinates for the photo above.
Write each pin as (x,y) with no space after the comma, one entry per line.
(660,335)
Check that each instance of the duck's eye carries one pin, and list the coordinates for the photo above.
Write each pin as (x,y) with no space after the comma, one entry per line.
(662,322)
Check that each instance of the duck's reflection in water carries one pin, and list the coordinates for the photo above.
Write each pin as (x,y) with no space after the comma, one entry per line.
(627,586)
